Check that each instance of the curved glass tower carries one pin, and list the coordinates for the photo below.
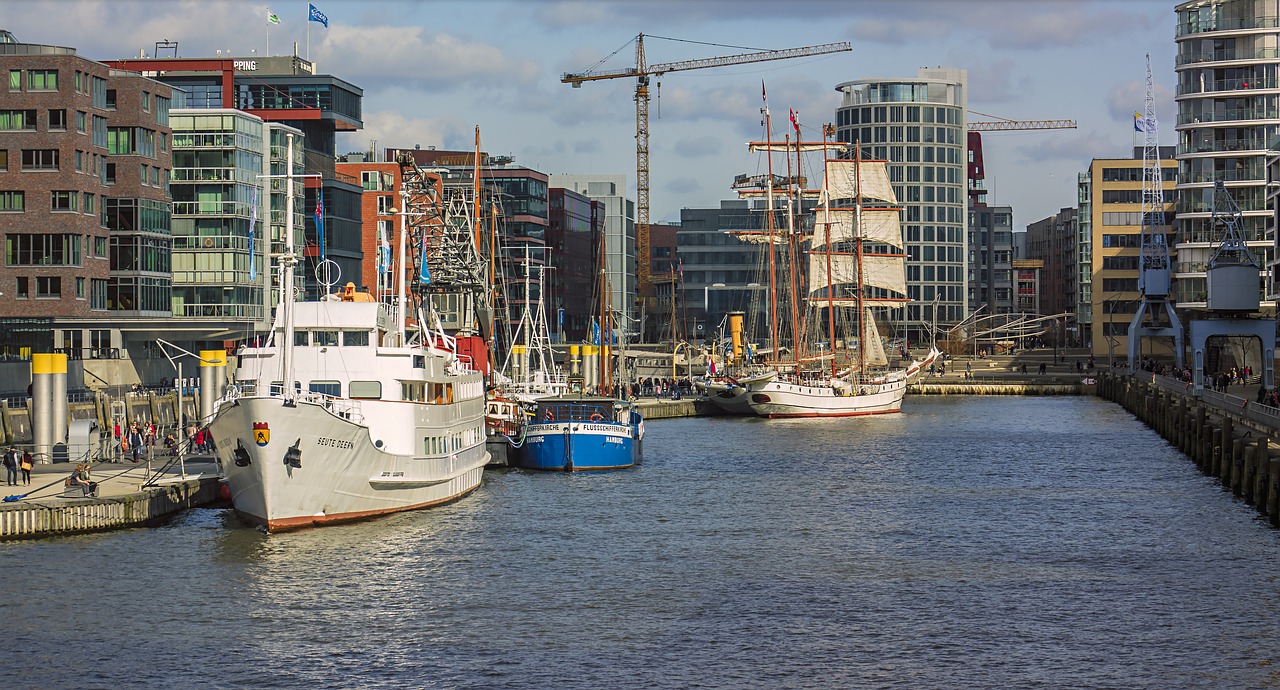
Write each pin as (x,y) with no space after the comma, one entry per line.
(918,125)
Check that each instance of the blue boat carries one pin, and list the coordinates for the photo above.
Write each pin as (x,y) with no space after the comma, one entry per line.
(575,432)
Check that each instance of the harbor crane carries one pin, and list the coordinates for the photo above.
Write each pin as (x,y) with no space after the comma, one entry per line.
(642,71)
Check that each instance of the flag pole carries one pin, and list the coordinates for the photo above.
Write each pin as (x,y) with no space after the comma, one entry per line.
(268,31)
(308,33)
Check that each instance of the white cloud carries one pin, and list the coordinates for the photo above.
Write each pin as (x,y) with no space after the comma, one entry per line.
(683,185)
(409,55)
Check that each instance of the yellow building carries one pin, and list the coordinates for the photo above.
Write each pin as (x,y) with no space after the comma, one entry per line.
(1111,217)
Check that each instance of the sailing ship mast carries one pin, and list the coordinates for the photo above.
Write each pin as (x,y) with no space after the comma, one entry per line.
(287,262)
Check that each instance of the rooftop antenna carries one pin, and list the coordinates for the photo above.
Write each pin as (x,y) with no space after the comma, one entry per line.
(166,46)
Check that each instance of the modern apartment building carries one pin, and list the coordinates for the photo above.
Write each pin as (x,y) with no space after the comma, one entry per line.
(918,125)
(990,259)
(575,231)
(229,217)
(619,240)
(722,273)
(286,89)
(1227,65)
(1113,215)
(1053,241)
(84,201)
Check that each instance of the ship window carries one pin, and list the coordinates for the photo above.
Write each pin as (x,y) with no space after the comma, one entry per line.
(322,338)
(411,391)
(277,388)
(355,339)
(436,393)
(371,390)
(419,362)
(300,338)
(330,388)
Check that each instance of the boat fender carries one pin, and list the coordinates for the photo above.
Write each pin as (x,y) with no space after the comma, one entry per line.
(224,492)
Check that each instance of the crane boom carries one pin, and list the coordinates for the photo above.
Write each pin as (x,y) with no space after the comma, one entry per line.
(642,71)
(1007,125)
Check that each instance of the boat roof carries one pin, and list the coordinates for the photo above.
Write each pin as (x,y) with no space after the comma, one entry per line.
(578,398)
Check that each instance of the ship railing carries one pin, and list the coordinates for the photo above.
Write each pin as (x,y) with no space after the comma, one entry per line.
(343,408)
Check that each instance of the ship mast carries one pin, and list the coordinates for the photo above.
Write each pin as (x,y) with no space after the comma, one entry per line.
(287,262)
(831,312)
(771,223)
(857,248)
(793,246)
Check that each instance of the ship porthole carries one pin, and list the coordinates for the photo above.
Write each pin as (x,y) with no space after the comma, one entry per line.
(378,444)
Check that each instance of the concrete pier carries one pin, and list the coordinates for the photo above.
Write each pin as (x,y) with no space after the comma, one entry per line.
(49,509)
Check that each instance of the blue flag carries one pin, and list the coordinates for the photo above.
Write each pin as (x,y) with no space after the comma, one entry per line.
(318,16)
(424,275)
(595,329)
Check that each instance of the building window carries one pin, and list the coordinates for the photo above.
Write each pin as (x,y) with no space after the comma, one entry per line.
(82,121)
(15,80)
(100,251)
(109,173)
(64,201)
(146,102)
(45,249)
(12,201)
(58,120)
(18,120)
(385,205)
(111,99)
(88,203)
(4,160)
(21,288)
(98,294)
(39,159)
(79,161)
(48,287)
(42,80)
(369,180)
(79,288)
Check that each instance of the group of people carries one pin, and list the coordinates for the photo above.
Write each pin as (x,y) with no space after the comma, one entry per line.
(80,477)
(137,439)
(659,388)
(15,460)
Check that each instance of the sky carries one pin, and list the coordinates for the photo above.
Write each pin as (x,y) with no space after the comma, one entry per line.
(433,70)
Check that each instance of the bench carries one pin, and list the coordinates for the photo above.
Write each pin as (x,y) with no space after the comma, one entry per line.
(74,491)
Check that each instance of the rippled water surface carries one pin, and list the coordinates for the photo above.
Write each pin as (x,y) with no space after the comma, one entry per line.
(983,542)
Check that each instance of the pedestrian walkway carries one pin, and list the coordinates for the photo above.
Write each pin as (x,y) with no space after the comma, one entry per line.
(48,481)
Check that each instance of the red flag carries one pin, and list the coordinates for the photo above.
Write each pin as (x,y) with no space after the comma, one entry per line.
(794,122)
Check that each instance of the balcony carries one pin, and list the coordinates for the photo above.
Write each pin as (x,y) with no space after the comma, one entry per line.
(1227,85)
(1194,25)
(1236,115)
(1227,56)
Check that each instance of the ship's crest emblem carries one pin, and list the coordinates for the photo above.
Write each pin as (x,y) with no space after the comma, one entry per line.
(261,433)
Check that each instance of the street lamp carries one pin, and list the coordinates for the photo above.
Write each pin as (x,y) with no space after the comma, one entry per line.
(177,385)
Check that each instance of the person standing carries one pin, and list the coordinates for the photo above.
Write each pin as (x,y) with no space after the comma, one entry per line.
(11,466)
(25,465)
(135,440)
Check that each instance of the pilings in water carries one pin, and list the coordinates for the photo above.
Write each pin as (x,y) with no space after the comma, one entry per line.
(927,387)
(1223,443)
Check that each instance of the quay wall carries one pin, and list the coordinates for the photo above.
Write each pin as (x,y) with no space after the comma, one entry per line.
(927,387)
(1222,435)
(49,517)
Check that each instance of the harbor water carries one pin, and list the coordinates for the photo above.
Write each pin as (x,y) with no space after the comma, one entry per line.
(968,542)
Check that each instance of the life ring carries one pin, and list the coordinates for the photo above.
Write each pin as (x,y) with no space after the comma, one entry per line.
(549,415)
(208,242)
(597,417)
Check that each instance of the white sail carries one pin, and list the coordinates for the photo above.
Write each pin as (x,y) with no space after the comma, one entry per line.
(886,272)
(843,183)
(878,225)
(873,347)
(893,302)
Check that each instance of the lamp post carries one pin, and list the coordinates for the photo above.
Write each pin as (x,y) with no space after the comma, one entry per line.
(177,385)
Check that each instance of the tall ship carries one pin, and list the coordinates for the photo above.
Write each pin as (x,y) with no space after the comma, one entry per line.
(348,410)
(834,267)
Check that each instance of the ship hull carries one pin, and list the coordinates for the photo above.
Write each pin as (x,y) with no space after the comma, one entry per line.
(340,474)
(577,446)
(783,399)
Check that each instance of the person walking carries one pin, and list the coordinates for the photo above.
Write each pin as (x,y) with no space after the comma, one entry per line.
(11,466)
(135,440)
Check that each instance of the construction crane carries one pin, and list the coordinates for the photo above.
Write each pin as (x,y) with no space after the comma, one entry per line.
(642,72)
(977,170)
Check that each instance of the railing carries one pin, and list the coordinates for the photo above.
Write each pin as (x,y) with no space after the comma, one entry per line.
(1229,115)
(1255,411)
(1197,26)
(1219,85)
(1227,55)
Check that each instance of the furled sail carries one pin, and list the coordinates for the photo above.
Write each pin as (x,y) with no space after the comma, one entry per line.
(878,225)
(843,183)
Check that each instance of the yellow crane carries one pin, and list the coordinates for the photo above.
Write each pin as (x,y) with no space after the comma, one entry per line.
(1003,124)
(642,71)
